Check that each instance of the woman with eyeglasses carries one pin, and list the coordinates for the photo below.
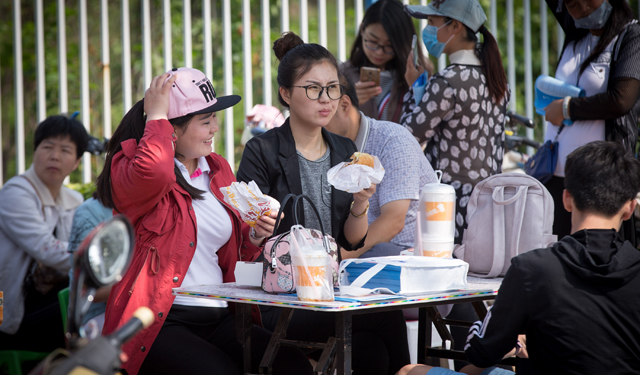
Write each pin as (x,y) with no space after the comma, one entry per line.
(294,158)
(384,42)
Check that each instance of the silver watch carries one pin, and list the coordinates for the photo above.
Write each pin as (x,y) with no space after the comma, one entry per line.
(252,233)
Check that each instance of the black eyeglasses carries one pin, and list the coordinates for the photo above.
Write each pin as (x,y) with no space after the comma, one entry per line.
(314,92)
(375,46)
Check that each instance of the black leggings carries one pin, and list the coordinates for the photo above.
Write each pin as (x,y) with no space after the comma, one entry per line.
(202,340)
(379,343)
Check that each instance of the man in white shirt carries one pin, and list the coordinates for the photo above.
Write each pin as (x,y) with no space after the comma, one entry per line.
(394,206)
(36,212)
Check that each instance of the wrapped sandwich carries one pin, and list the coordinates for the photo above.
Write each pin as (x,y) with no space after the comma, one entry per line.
(249,201)
(362,171)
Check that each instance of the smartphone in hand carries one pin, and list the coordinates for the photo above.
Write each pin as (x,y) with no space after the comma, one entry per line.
(370,74)
(414,48)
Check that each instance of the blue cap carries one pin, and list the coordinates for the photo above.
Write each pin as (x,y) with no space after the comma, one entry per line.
(469,12)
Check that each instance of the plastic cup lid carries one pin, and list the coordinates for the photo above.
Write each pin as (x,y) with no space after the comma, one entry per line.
(438,187)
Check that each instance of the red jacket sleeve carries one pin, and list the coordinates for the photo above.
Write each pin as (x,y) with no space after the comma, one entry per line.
(142,174)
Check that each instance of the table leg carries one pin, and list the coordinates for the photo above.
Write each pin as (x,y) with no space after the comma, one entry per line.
(424,334)
(243,333)
(326,360)
(274,344)
(480,308)
(344,336)
(438,322)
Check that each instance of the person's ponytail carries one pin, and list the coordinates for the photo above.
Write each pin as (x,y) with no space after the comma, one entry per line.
(131,126)
(489,55)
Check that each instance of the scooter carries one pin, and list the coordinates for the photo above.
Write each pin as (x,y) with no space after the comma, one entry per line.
(100,261)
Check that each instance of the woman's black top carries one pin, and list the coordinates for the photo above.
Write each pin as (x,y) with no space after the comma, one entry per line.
(272,162)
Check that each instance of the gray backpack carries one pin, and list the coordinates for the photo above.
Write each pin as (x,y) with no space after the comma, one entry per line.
(507,214)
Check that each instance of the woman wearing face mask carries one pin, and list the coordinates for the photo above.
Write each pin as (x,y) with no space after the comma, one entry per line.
(600,55)
(384,42)
(460,117)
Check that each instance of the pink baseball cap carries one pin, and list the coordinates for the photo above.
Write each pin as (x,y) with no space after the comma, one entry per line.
(192,94)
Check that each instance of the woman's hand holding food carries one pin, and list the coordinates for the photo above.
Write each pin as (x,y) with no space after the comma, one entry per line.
(366,90)
(265,227)
(361,200)
(156,98)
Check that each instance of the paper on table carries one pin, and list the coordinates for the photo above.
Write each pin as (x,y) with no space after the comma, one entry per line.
(356,177)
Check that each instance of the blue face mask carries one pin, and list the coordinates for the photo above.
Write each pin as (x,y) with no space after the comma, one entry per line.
(430,40)
(597,19)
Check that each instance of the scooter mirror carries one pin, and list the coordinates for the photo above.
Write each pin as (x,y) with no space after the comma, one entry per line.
(101,260)
(108,254)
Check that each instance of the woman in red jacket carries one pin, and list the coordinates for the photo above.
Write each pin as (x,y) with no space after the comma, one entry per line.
(161,173)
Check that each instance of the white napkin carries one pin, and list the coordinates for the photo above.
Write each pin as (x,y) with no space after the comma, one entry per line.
(356,177)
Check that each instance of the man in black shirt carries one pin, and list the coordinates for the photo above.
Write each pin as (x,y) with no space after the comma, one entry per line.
(578,302)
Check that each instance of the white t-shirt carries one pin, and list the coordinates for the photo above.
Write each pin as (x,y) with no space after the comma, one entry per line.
(594,81)
(214,231)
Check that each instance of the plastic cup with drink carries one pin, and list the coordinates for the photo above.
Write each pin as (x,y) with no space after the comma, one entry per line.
(435,229)
(312,267)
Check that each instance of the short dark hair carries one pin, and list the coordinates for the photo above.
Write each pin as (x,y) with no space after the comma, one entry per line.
(349,89)
(601,177)
(62,126)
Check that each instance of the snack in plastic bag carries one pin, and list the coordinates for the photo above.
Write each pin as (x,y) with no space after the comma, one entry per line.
(249,201)
(357,174)
(312,265)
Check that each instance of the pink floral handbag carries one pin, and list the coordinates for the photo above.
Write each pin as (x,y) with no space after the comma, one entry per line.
(278,275)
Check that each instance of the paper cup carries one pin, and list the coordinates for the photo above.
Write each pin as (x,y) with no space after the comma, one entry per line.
(437,214)
(442,248)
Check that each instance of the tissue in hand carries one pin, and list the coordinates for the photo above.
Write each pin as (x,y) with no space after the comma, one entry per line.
(549,89)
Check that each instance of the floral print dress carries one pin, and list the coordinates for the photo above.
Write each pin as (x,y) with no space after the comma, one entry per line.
(462,127)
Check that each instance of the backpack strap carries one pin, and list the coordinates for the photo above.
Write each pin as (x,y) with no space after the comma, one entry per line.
(498,233)
(499,225)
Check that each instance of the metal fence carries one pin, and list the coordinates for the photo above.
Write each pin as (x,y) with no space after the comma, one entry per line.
(546,29)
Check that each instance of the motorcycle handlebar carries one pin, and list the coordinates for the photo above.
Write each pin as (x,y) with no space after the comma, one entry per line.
(514,117)
(142,318)
(531,143)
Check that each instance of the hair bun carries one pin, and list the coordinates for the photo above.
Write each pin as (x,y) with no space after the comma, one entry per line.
(286,43)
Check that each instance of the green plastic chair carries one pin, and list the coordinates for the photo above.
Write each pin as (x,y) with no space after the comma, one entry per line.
(13,359)
(63,298)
